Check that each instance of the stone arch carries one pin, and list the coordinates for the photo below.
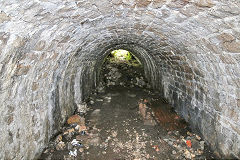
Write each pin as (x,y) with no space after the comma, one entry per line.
(194,45)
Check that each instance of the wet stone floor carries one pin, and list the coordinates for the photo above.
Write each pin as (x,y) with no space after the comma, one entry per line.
(126,123)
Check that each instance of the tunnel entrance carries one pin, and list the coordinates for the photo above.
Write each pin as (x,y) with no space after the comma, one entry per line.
(126,118)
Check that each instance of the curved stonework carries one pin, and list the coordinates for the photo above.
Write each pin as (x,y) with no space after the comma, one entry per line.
(51,52)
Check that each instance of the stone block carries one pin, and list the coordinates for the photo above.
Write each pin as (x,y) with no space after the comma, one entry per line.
(233,46)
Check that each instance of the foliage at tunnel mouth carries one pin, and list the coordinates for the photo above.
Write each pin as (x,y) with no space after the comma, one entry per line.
(123,56)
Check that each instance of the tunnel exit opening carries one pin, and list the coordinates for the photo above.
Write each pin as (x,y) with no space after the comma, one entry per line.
(122,68)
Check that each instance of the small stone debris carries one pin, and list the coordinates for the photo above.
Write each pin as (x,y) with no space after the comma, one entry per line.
(188,146)
(81,150)
(82,108)
(198,137)
(174,152)
(92,102)
(77,139)
(76,143)
(116,73)
(73,153)
(156,148)
(114,133)
(74,119)
(60,146)
(58,139)
(202,145)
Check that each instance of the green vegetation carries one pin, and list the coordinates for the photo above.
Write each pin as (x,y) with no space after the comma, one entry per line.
(121,55)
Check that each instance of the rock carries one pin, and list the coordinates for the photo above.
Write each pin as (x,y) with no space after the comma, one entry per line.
(101,88)
(58,139)
(74,142)
(189,133)
(156,148)
(73,153)
(187,154)
(199,152)
(202,145)
(46,151)
(60,146)
(233,46)
(108,98)
(69,131)
(4,17)
(82,128)
(69,146)
(174,152)
(132,95)
(74,119)
(81,150)
(149,120)
(114,133)
(204,3)
(82,108)
(193,155)
(198,137)
(99,100)
(83,132)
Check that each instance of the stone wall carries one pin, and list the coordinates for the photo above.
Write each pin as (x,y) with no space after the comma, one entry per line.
(51,52)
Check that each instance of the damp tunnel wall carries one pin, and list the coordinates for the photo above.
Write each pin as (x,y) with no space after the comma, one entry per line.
(51,52)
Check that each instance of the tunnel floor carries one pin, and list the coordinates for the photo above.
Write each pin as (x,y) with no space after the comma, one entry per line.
(124,123)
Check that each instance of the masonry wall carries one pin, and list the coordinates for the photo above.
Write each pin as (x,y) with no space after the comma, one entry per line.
(51,52)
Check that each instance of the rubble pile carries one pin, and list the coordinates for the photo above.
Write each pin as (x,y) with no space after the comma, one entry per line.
(74,138)
(189,147)
(123,73)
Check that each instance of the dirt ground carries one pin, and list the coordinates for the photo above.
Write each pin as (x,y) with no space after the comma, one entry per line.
(127,123)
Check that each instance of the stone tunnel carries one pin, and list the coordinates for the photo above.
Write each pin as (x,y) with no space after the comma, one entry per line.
(51,52)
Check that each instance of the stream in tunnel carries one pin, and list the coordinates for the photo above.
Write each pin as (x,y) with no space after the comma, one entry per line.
(124,118)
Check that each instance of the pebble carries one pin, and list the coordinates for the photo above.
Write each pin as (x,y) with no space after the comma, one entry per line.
(58,139)
(198,137)
(73,153)
(82,108)
(81,150)
(60,146)
(187,154)
(202,145)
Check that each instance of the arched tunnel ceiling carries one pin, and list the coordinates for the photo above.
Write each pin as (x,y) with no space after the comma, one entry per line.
(51,50)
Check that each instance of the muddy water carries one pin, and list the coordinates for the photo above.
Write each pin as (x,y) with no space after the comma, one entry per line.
(128,123)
